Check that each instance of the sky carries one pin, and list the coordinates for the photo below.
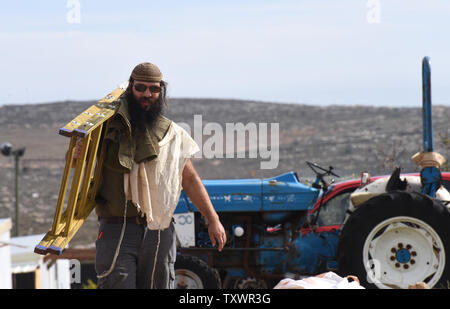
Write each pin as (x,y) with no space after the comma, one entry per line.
(322,52)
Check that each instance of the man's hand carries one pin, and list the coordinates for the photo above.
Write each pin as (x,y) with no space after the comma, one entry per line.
(78,148)
(77,151)
(217,234)
(196,191)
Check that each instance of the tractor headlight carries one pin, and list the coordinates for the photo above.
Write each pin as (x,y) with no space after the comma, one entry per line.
(238,231)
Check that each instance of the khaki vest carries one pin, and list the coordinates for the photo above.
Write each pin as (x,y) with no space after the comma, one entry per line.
(121,151)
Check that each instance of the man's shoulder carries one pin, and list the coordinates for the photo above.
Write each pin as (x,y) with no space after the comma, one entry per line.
(162,126)
(164,120)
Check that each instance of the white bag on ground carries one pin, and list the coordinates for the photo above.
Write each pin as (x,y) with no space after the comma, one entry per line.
(328,280)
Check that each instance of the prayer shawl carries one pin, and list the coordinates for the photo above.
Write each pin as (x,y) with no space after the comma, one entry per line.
(154,186)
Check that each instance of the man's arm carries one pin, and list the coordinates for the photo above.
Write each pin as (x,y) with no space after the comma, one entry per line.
(196,191)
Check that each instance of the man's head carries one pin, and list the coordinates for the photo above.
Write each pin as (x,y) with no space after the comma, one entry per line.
(146,95)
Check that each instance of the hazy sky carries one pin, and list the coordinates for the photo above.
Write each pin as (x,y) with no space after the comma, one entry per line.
(316,52)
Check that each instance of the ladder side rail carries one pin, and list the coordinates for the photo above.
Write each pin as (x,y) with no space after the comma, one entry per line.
(75,187)
(87,178)
(63,187)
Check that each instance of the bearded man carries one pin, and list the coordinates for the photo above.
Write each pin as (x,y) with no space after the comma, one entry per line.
(146,165)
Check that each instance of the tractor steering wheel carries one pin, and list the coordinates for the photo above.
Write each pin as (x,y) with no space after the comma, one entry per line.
(325,172)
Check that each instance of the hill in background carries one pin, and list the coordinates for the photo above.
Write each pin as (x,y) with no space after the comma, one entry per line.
(350,138)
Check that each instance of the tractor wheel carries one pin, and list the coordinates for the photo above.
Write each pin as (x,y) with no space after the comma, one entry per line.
(248,283)
(397,239)
(192,272)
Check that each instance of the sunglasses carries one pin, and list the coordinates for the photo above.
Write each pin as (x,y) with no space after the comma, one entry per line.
(143,88)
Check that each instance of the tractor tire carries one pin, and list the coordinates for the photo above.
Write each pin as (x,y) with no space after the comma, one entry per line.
(192,272)
(397,239)
(248,283)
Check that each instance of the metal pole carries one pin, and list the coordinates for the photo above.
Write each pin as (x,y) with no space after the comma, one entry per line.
(16,224)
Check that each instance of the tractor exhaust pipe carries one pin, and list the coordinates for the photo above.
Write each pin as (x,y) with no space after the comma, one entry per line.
(429,160)
(426,106)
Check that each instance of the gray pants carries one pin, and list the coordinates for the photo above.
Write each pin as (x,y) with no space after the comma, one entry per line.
(134,266)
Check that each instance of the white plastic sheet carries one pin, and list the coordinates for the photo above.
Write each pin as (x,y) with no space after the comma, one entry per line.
(328,280)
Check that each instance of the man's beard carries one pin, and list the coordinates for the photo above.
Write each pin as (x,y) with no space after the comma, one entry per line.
(140,117)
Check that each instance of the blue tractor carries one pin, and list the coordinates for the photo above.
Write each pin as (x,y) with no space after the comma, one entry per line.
(263,219)
(388,231)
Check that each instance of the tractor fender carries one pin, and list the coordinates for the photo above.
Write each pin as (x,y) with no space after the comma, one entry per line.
(378,186)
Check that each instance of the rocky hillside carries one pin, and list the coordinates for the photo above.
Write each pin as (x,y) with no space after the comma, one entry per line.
(350,138)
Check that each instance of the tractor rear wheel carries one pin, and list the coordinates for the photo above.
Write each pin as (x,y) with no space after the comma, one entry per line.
(397,239)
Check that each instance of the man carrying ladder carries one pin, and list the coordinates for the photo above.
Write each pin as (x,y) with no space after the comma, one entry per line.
(146,164)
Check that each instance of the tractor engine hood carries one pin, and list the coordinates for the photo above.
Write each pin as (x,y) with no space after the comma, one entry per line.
(280,193)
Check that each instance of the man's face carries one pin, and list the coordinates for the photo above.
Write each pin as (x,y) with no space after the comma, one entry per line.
(146,93)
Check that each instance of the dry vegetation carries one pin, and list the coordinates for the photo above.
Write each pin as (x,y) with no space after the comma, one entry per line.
(351,138)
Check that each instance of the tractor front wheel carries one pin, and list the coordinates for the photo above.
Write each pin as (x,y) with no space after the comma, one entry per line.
(397,239)
(192,272)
